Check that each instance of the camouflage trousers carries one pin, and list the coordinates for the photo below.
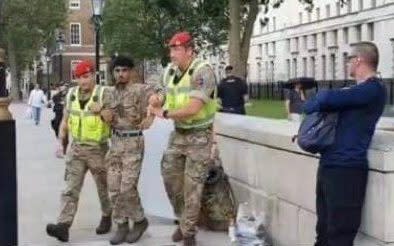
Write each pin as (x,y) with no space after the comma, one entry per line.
(80,159)
(184,168)
(124,160)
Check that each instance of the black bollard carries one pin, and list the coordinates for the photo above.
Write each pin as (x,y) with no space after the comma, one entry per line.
(8,184)
(8,177)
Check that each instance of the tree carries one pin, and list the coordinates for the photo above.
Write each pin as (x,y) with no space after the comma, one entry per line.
(27,27)
(141,28)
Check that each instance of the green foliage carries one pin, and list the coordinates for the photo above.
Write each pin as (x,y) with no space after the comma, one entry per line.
(30,25)
(141,28)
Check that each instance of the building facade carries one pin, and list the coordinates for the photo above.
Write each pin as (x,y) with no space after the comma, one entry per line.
(79,42)
(297,42)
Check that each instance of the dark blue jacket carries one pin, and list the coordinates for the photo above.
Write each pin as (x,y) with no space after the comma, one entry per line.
(359,109)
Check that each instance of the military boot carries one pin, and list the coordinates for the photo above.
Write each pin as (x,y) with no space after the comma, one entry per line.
(60,231)
(105,225)
(138,229)
(120,234)
(177,236)
(189,241)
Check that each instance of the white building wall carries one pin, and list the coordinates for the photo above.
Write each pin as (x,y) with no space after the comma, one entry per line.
(292,22)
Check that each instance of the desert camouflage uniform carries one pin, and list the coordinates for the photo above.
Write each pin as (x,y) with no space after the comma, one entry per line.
(124,158)
(79,159)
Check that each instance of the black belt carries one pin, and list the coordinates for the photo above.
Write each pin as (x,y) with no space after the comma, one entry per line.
(127,134)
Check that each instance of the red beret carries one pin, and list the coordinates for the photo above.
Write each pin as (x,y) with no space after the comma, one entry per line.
(83,67)
(180,38)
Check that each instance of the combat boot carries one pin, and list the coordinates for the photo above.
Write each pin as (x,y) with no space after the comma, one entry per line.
(177,236)
(60,231)
(105,225)
(120,234)
(138,229)
(189,241)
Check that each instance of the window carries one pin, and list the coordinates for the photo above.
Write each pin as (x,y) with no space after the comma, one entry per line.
(335,37)
(373,3)
(346,35)
(323,67)
(305,67)
(75,4)
(259,71)
(297,44)
(266,71)
(305,42)
(266,49)
(314,41)
(345,66)
(261,27)
(349,6)
(295,68)
(288,45)
(360,5)
(309,16)
(273,48)
(274,23)
(328,14)
(324,39)
(288,69)
(313,67)
(333,67)
(338,8)
(272,69)
(73,63)
(75,33)
(260,50)
(358,33)
(371,30)
(317,13)
(300,18)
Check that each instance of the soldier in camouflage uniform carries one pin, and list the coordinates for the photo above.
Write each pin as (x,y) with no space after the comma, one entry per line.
(124,159)
(90,135)
(190,101)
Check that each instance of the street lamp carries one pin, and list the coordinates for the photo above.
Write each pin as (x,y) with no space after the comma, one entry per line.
(97,7)
(60,48)
(48,59)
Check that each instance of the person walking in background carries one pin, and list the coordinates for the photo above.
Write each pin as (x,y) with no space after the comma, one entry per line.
(233,93)
(294,100)
(37,100)
(343,167)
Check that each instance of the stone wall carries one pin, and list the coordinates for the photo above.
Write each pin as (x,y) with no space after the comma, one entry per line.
(276,177)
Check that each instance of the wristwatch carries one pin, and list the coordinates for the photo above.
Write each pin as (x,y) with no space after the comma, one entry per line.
(165,114)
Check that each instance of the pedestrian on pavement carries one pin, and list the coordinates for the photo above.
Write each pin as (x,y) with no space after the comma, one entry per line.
(58,99)
(124,158)
(89,133)
(233,93)
(36,101)
(294,99)
(190,101)
(343,168)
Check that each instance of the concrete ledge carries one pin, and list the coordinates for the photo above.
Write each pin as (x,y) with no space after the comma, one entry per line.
(278,178)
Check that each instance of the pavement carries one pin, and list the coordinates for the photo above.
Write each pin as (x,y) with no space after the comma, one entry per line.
(40,182)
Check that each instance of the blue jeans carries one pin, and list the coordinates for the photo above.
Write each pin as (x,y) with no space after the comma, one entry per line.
(36,114)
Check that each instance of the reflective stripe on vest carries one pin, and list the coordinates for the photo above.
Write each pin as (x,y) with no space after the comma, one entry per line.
(85,126)
(177,97)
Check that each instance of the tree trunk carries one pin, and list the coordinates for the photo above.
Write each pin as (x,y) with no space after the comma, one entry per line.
(14,71)
(239,38)
(247,35)
(234,47)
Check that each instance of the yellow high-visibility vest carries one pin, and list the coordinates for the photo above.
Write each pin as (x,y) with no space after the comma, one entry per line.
(177,96)
(85,126)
